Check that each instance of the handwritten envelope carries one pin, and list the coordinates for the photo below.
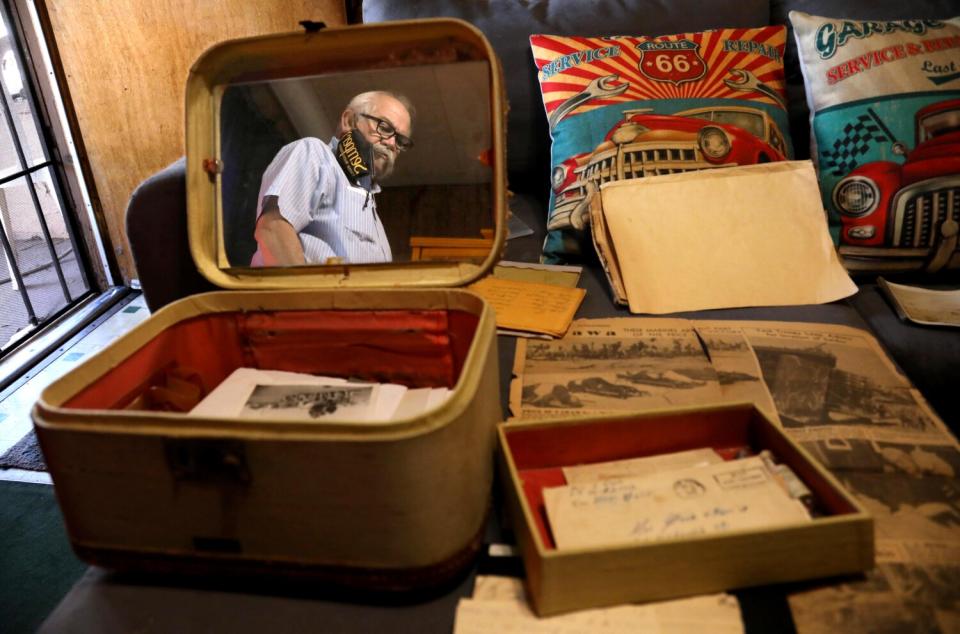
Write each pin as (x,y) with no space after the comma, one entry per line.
(636,467)
(734,495)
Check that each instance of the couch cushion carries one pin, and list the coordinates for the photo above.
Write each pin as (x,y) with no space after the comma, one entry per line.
(509,23)
(157,231)
(886,102)
(857,9)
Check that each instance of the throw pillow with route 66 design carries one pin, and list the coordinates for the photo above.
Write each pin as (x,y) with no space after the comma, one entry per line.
(635,106)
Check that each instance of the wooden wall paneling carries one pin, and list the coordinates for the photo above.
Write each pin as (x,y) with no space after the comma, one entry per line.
(125,65)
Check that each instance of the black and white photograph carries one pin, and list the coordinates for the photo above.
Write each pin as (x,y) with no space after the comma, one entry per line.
(309,402)
(862,606)
(893,598)
(858,454)
(610,374)
(905,507)
(817,384)
(737,368)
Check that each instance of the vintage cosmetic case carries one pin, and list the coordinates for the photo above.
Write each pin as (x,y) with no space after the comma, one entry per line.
(374,505)
(839,540)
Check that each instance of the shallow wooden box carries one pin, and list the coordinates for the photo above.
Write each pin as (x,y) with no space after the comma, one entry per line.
(395,506)
(532,454)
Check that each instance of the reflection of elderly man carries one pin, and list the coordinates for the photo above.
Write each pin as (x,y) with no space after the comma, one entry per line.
(313,207)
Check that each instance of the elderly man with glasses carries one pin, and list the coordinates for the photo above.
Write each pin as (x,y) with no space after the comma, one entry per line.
(316,203)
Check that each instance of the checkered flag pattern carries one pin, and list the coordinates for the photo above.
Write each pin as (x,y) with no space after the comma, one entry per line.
(853,144)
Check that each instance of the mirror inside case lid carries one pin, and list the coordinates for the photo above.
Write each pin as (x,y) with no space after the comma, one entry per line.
(362,156)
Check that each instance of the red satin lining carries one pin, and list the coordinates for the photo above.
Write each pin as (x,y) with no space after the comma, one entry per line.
(415,348)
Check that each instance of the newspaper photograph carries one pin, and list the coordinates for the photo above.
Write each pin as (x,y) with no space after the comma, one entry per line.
(917,460)
(737,368)
(829,381)
(894,598)
(600,369)
(310,402)
(906,507)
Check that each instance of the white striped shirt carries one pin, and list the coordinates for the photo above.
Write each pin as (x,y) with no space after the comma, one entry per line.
(333,217)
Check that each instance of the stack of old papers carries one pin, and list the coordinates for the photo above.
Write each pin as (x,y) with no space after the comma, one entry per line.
(276,395)
(744,236)
(678,495)
(532,300)
(499,605)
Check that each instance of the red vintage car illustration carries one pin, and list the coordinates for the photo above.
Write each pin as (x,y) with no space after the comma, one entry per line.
(652,144)
(911,210)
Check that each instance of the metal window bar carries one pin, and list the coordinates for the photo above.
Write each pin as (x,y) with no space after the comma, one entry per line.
(52,153)
(59,201)
(69,220)
(15,272)
(27,173)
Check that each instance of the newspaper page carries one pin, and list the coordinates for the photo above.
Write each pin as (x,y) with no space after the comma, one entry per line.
(841,397)
(838,394)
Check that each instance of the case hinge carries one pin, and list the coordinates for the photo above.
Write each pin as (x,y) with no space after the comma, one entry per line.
(212,166)
(312,27)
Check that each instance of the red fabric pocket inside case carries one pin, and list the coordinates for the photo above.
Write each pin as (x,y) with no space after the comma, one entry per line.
(415,348)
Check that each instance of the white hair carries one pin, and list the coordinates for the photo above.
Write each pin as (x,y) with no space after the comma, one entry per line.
(363,103)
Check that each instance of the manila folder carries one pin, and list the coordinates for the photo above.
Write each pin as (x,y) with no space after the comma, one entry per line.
(724,238)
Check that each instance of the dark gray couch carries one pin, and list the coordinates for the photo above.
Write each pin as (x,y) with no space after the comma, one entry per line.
(930,357)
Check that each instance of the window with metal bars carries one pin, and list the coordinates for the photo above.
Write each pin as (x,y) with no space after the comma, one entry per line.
(44,269)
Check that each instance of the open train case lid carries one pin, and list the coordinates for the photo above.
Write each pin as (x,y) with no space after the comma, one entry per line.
(382,47)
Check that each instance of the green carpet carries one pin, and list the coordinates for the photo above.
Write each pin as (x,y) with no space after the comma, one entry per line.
(37,567)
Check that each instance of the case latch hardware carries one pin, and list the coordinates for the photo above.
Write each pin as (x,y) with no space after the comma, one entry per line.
(212,166)
(312,27)
(208,460)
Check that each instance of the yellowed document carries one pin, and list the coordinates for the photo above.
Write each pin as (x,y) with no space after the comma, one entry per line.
(498,606)
(923,305)
(555,274)
(496,588)
(637,467)
(530,306)
(734,495)
(744,236)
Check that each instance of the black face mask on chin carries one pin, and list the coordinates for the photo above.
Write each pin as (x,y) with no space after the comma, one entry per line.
(355,156)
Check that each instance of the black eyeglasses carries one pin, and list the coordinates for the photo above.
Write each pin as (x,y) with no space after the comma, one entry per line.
(386,130)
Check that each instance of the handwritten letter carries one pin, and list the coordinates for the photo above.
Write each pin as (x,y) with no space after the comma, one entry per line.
(529,306)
